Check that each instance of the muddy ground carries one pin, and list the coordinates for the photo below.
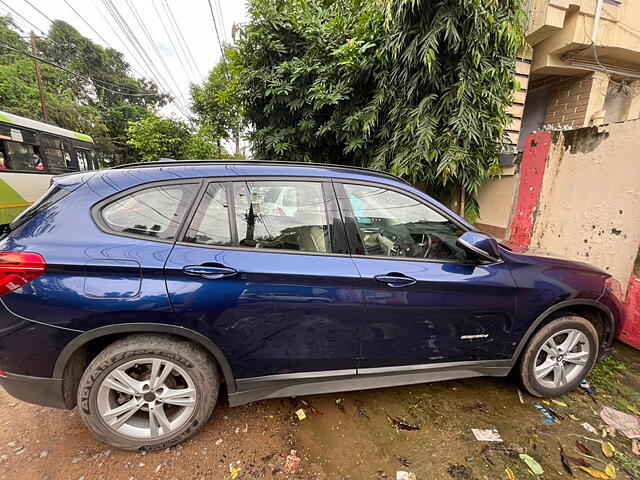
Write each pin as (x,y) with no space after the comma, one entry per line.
(354,442)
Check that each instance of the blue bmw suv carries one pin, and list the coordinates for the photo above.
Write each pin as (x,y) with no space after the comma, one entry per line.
(136,292)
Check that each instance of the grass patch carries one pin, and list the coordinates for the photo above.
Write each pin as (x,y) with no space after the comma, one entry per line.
(628,464)
(605,375)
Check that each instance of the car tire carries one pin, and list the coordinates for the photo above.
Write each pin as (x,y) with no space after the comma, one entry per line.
(546,368)
(128,398)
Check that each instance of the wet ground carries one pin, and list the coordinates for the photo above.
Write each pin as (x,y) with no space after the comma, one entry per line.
(351,439)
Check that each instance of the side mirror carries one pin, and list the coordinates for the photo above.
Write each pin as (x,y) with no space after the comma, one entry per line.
(480,245)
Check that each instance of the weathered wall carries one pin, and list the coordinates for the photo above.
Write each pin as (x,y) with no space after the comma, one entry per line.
(589,203)
(496,200)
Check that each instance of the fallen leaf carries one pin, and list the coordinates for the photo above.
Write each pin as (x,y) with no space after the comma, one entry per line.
(401,424)
(595,473)
(546,402)
(610,470)
(634,447)
(608,449)
(510,475)
(565,461)
(582,462)
(558,402)
(534,466)
(584,449)
(234,472)
(633,410)
(573,417)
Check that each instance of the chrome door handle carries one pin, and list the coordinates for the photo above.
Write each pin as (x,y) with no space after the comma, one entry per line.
(210,273)
(395,280)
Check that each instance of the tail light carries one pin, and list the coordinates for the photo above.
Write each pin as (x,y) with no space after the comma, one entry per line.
(280,212)
(614,287)
(19,268)
(2,374)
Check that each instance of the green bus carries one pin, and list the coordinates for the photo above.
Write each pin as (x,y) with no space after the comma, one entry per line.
(31,152)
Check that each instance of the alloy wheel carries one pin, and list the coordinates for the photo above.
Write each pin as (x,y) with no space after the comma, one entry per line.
(562,358)
(147,398)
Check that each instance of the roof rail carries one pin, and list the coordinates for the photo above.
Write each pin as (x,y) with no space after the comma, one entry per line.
(177,163)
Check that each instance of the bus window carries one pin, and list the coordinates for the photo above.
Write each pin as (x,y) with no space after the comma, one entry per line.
(57,156)
(20,156)
(84,159)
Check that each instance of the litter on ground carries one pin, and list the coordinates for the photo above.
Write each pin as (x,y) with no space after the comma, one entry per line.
(487,435)
(628,425)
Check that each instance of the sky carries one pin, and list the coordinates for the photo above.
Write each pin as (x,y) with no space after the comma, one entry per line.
(193,19)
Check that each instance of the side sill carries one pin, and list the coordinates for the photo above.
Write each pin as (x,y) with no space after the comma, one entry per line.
(311,383)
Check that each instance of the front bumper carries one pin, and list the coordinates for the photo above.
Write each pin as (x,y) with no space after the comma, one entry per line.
(41,391)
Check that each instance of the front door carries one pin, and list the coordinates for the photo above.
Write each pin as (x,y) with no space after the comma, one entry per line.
(263,271)
(425,300)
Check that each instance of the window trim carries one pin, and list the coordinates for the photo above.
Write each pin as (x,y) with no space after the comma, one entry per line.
(96,209)
(353,234)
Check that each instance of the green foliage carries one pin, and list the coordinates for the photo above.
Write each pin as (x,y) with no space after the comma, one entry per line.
(154,137)
(88,102)
(412,86)
(217,101)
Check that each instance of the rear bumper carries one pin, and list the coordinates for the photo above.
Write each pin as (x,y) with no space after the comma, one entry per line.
(41,391)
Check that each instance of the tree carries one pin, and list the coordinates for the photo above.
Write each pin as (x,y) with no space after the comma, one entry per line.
(412,86)
(217,101)
(154,137)
(93,92)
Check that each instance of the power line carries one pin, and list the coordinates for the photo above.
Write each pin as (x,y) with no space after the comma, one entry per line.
(222,25)
(136,15)
(23,18)
(172,44)
(38,10)
(87,24)
(126,47)
(135,43)
(76,74)
(172,18)
(215,26)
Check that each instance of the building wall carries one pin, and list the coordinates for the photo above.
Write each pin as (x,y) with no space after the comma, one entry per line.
(568,99)
(589,203)
(496,199)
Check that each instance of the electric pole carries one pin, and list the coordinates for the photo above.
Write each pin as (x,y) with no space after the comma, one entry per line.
(34,52)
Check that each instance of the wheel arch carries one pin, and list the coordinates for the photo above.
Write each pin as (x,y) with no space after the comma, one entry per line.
(67,369)
(570,305)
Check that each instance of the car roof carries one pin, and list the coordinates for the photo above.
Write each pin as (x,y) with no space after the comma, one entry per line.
(174,169)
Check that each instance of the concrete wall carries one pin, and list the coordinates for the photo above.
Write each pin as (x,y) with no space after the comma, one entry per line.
(496,200)
(589,203)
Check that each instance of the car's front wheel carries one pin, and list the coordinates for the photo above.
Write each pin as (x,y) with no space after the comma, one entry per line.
(148,392)
(559,356)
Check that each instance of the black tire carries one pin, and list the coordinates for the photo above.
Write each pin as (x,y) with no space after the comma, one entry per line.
(528,359)
(193,359)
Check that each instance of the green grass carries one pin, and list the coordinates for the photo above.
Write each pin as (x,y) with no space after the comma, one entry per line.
(605,376)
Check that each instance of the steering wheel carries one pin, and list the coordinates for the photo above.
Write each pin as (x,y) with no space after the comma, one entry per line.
(428,243)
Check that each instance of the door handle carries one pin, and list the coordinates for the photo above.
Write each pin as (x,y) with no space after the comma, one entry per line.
(395,279)
(208,272)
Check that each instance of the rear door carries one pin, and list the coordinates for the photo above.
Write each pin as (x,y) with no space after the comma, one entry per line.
(425,300)
(272,285)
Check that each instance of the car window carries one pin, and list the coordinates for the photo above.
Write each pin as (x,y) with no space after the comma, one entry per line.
(395,225)
(210,224)
(300,223)
(155,212)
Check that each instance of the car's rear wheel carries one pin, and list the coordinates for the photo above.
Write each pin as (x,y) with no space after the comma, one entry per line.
(559,356)
(148,392)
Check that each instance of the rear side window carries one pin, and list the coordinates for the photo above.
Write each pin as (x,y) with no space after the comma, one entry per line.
(281,215)
(51,196)
(154,212)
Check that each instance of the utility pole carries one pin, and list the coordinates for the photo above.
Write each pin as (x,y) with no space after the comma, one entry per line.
(34,52)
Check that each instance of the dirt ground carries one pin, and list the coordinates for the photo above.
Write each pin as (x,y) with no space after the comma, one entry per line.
(350,440)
